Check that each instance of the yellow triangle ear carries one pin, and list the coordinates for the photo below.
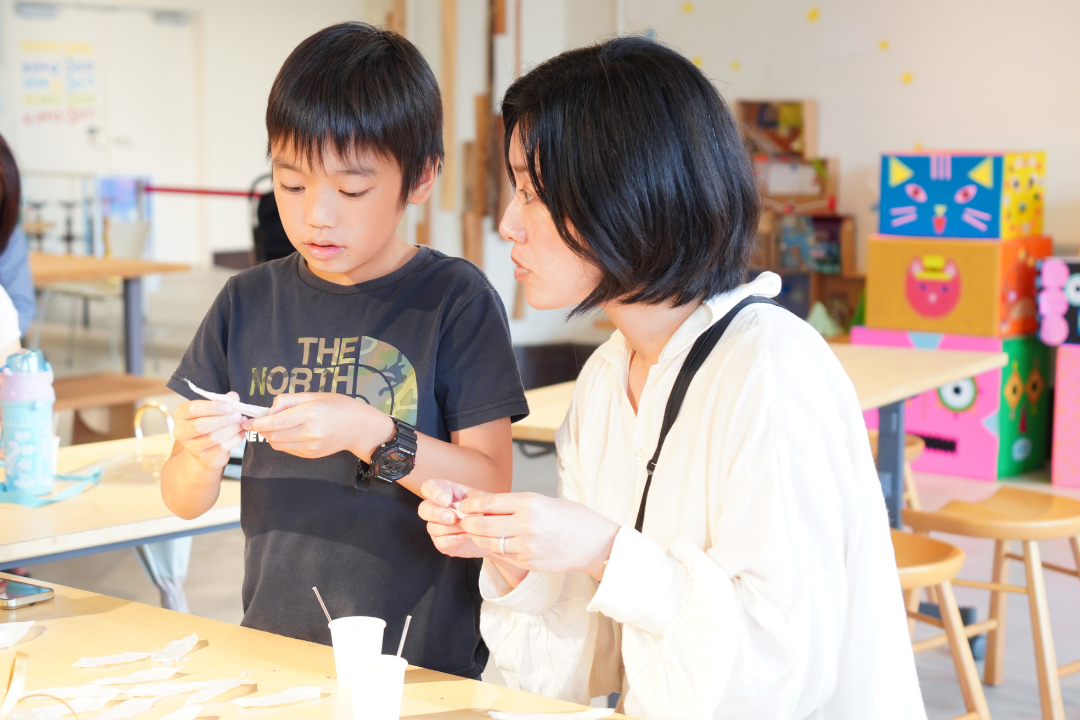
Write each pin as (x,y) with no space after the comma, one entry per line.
(898,172)
(983,173)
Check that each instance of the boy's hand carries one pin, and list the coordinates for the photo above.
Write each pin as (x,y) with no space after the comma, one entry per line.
(314,425)
(443,525)
(208,430)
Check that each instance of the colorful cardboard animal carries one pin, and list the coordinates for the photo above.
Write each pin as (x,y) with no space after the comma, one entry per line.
(1065,463)
(1058,282)
(962,195)
(992,425)
(969,287)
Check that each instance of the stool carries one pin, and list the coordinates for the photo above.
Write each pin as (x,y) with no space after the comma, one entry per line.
(913,449)
(1026,516)
(923,562)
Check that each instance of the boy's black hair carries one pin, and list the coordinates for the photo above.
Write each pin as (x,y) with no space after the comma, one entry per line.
(630,145)
(354,87)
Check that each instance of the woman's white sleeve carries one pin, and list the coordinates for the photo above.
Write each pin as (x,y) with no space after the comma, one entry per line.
(745,628)
(541,635)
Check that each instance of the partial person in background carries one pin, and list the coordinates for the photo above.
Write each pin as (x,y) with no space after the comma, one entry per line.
(15,276)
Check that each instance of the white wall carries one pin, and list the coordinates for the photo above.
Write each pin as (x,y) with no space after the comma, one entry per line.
(984,74)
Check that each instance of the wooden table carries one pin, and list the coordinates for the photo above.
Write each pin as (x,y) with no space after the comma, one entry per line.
(79,623)
(47,269)
(883,378)
(125,510)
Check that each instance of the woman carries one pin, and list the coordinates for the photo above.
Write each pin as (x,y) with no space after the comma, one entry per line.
(762,583)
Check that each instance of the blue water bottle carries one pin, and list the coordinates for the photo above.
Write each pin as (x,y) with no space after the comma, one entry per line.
(27,398)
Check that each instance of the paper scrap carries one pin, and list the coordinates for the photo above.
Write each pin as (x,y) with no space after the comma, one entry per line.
(253,411)
(79,705)
(128,657)
(128,709)
(593,714)
(76,691)
(214,689)
(188,712)
(140,676)
(292,695)
(457,511)
(168,689)
(13,632)
(176,650)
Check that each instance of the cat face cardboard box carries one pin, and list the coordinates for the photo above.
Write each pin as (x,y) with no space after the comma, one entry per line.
(968,287)
(962,195)
(986,427)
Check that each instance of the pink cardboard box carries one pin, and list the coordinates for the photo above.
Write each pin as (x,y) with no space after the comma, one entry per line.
(1065,465)
(989,426)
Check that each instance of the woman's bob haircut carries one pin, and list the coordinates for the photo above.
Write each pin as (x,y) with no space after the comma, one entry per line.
(640,163)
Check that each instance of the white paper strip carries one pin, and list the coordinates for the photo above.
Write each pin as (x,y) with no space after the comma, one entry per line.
(188,712)
(140,676)
(128,709)
(254,411)
(79,705)
(128,657)
(13,632)
(167,689)
(76,691)
(296,694)
(593,714)
(214,689)
(176,650)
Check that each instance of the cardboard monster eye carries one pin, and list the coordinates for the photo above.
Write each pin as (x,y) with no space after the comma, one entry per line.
(965,194)
(960,395)
(1072,290)
(915,192)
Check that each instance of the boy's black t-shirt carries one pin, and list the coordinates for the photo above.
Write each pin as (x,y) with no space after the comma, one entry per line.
(429,344)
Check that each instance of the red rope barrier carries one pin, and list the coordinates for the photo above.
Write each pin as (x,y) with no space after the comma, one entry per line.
(201,191)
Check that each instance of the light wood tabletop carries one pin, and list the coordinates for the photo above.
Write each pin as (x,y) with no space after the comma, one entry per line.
(47,268)
(880,375)
(79,623)
(125,508)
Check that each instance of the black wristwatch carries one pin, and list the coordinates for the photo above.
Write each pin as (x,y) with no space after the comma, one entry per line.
(392,460)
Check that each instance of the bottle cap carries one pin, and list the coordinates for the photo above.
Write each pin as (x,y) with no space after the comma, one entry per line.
(28,361)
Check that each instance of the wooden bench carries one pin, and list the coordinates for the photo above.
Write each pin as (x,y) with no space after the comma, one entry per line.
(117,392)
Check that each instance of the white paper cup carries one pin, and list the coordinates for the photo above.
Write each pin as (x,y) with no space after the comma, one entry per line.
(376,688)
(357,641)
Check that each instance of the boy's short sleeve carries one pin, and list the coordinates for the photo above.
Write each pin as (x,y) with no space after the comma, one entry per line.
(477,377)
(205,362)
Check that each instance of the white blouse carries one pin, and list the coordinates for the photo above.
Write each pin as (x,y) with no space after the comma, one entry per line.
(764,584)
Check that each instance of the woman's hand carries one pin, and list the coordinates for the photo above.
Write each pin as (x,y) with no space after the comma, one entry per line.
(443,524)
(541,534)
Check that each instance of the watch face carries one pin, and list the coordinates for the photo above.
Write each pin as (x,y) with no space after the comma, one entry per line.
(395,464)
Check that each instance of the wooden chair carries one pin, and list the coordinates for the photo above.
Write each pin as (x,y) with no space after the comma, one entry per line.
(923,562)
(913,448)
(117,392)
(1026,516)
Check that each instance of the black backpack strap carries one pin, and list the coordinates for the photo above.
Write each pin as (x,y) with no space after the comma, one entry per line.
(698,354)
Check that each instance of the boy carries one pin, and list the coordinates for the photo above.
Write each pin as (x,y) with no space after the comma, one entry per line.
(387,364)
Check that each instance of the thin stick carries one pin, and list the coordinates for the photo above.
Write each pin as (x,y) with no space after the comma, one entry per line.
(319,598)
(401,645)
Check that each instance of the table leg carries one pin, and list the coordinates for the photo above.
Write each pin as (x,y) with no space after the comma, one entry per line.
(891,458)
(133,326)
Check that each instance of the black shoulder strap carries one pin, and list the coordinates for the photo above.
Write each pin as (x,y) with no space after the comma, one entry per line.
(698,354)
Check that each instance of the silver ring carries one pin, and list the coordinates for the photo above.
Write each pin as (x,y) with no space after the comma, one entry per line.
(502,546)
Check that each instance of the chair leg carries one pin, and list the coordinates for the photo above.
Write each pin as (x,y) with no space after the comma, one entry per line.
(966,673)
(1053,707)
(911,600)
(994,672)
(910,490)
